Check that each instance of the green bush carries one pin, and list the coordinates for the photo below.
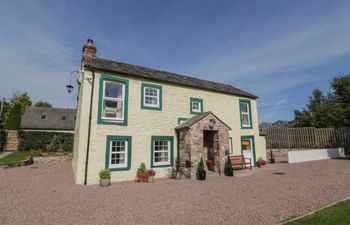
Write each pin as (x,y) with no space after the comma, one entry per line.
(13,122)
(201,167)
(35,153)
(105,173)
(2,139)
(46,141)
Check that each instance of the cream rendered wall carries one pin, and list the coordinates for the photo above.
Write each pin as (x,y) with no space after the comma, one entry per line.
(142,124)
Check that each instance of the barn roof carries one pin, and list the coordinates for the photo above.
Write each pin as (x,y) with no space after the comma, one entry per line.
(31,119)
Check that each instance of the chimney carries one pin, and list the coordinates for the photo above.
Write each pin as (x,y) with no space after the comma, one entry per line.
(89,49)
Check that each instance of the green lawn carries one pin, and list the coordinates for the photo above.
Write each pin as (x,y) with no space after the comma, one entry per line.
(16,156)
(337,214)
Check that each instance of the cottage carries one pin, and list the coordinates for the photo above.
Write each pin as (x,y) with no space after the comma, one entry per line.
(128,114)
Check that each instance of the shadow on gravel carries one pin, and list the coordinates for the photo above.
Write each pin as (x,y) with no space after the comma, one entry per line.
(279,173)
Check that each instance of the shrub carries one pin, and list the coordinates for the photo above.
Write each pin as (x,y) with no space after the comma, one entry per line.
(142,168)
(228,167)
(46,141)
(13,121)
(2,139)
(105,173)
(35,153)
(201,167)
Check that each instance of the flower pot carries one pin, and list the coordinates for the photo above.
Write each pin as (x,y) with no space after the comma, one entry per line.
(201,175)
(229,172)
(150,179)
(178,176)
(105,182)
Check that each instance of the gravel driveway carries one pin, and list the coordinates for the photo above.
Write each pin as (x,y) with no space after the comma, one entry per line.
(45,194)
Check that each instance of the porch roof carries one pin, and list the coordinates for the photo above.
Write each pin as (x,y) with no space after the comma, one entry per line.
(197,118)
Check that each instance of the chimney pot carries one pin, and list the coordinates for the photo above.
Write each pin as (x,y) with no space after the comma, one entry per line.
(89,49)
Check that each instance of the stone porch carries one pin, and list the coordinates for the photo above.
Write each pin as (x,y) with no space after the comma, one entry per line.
(203,136)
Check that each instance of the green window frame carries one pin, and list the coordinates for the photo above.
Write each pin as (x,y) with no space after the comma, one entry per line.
(200,101)
(170,140)
(230,142)
(242,114)
(251,137)
(181,119)
(128,142)
(159,96)
(125,82)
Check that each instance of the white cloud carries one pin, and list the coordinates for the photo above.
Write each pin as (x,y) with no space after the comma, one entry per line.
(312,43)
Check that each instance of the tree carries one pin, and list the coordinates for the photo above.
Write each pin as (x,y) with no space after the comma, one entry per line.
(43,104)
(13,121)
(5,108)
(331,110)
(19,102)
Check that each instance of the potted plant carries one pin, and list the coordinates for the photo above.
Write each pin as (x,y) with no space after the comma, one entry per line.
(228,167)
(142,175)
(172,172)
(151,174)
(260,162)
(201,173)
(105,177)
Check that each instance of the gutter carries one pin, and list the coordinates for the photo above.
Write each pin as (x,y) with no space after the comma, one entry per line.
(89,128)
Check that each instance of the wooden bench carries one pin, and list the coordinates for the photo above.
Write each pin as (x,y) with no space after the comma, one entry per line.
(239,160)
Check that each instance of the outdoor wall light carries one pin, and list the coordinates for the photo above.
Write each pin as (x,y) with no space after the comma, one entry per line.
(70,87)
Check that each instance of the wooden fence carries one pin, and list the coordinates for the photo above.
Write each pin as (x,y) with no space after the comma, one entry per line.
(307,137)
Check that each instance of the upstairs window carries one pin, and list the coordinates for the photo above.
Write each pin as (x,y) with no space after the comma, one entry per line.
(151,96)
(245,114)
(113,101)
(196,105)
(43,116)
(64,117)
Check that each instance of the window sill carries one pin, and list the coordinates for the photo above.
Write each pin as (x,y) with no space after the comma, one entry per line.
(112,122)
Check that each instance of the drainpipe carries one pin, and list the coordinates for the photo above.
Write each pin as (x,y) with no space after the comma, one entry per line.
(178,150)
(89,128)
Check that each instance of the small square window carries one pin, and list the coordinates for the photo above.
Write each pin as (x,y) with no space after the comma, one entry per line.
(64,117)
(43,116)
(196,105)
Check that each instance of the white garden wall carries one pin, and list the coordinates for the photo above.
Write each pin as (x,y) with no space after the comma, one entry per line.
(315,154)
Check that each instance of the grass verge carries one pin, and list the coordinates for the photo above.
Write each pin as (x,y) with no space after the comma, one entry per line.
(336,214)
(15,157)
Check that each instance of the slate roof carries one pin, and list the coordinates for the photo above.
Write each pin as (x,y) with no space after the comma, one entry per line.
(161,76)
(197,118)
(31,119)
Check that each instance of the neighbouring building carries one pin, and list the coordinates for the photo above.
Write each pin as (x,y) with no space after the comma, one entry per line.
(128,114)
(48,119)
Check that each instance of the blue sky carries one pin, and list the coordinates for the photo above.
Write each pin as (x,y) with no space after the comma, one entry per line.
(279,50)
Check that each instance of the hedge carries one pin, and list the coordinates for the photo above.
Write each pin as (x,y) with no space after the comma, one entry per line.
(45,141)
(2,139)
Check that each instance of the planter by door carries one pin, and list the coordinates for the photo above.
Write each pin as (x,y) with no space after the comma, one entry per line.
(201,175)
(105,182)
